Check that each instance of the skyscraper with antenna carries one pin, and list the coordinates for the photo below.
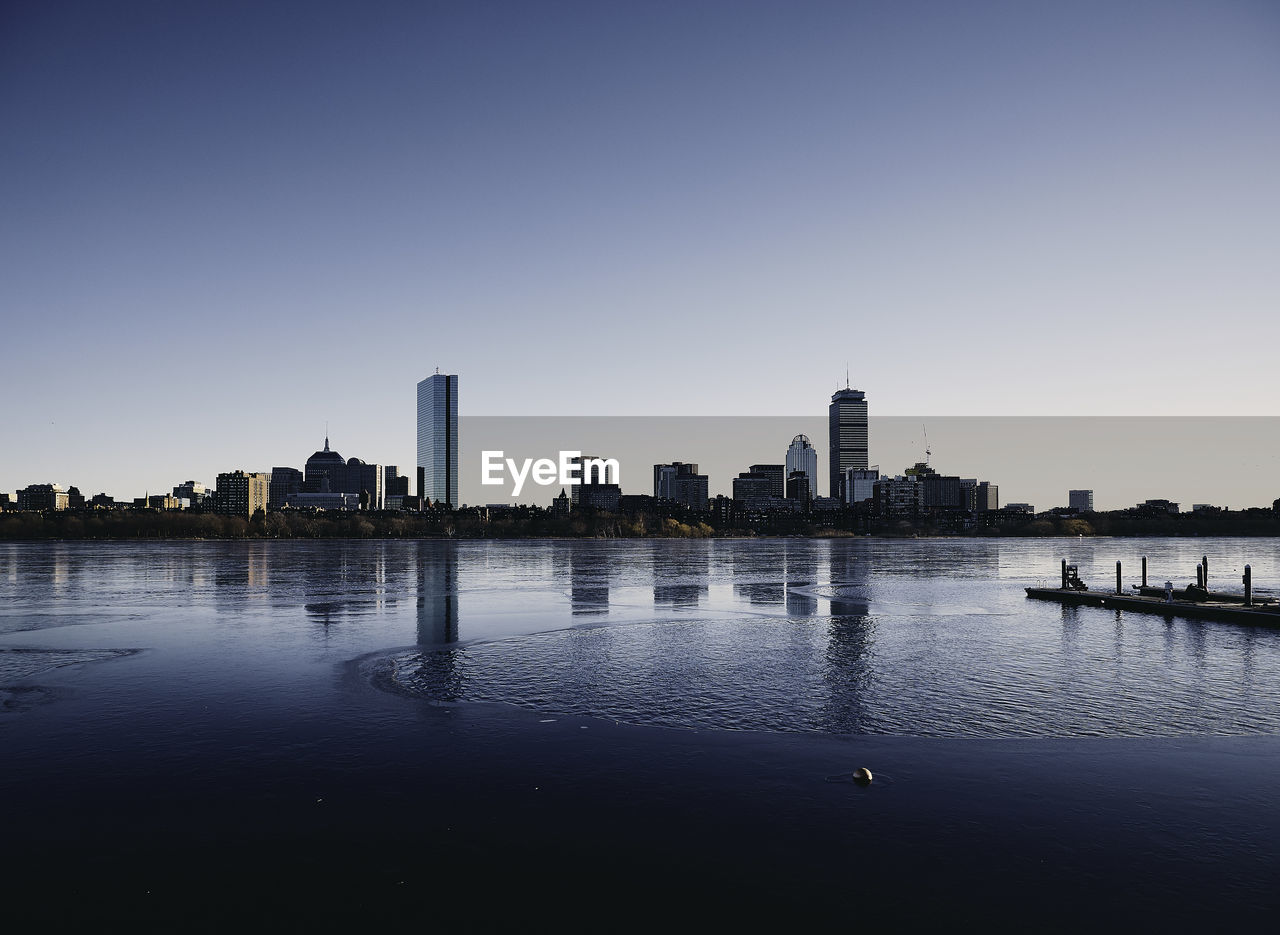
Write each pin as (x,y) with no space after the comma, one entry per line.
(847,438)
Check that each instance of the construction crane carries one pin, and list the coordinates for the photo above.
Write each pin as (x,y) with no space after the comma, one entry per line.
(927,452)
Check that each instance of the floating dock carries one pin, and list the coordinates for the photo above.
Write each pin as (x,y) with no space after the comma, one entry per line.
(1265,615)
(1193,601)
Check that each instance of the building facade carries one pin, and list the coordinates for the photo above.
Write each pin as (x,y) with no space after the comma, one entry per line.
(681,483)
(859,484)
(438,438)
(241,494)
(1080,500)
(394,484)
(777,474)
(589,470)
(42,497)
(847,422)
(285,482)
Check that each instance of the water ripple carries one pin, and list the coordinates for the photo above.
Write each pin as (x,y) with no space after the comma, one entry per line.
(942,676)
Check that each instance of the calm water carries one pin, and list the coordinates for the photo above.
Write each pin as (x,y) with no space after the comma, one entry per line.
(931,637)
(412,724)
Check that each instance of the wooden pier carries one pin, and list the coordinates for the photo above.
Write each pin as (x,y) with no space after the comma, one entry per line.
(1264,615)
(1193,601)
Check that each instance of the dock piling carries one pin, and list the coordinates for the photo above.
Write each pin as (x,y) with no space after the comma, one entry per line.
(1064,574)
(1119,586)
(1248,586)
(1204,560)
(1199,576)
(1144,571)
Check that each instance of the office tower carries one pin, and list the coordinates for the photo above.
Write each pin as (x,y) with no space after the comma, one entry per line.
(1080,500)
(988,497)
(848,434)
(240,494)
(285,482)
(859,484)
(394,484)
(777,474)
(680,482)
(802,457)
(798,487)
(438,438)
(753,490)
(585,472)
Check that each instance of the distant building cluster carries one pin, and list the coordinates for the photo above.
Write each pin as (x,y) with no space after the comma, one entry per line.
(857,491)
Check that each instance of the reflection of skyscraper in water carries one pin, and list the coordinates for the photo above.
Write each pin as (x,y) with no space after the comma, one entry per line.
(800,574)
(680,572)
(850,575)
(588,579)
(437,593)
(847,666)
(757,572)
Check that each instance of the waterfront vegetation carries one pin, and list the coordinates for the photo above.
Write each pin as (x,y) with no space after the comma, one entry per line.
(520,523)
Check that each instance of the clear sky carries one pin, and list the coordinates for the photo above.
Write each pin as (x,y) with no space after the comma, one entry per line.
(223,224)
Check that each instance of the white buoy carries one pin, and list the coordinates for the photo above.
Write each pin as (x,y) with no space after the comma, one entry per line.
(862,776)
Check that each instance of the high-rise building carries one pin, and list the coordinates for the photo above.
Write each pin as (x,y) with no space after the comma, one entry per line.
(798,487)
(586,470)
(802,457)
(777,474)
(1080,500)
(848,435)
(285,482)
(681,483)
(860,483)
(753,490)
(438,438)
(394,484)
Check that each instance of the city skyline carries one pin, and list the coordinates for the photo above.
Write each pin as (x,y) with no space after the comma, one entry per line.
(213,210)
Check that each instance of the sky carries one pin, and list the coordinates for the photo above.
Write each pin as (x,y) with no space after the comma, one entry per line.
(225,225)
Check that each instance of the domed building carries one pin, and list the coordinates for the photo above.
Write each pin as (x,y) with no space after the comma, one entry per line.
(327,472)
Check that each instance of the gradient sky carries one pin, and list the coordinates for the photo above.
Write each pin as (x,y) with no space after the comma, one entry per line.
(223,224)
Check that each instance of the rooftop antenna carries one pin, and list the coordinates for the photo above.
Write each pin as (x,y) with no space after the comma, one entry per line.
(846,375)
(326,434)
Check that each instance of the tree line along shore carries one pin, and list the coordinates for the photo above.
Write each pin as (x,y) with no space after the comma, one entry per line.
(522,523)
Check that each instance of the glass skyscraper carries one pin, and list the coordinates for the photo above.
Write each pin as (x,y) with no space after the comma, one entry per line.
(438,438)
(848,435)
(802,457)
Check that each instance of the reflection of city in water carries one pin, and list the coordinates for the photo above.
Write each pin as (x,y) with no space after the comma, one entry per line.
(588,582)
(680,573)
(831,635)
